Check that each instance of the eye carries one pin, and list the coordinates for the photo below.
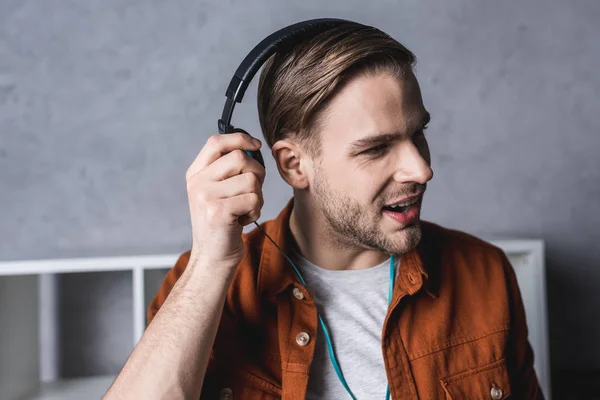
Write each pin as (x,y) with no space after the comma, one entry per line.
(377,150)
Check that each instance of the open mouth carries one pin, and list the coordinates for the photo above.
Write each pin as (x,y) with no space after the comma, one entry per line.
(402,207)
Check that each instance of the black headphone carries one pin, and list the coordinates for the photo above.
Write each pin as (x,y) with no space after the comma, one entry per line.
(257,57)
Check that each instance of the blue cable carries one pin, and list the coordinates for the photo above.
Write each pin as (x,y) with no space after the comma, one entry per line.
(332,356)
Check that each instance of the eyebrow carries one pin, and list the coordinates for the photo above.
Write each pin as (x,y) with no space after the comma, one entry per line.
(386,137)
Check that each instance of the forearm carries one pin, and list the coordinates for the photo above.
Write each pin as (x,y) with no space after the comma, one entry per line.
(172,356)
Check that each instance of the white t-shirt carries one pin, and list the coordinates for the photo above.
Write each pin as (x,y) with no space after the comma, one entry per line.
(353,305)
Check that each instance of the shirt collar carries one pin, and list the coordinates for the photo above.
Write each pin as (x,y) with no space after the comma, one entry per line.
(275,274)
(423,261)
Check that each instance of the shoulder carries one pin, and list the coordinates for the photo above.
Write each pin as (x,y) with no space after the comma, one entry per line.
(244,293)
(452,239)
(455,243)
(464,257)
(242,289)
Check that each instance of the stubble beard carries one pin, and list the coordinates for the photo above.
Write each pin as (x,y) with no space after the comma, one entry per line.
(351,225)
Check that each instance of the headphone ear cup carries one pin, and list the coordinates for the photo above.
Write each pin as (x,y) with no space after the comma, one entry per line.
(257,155)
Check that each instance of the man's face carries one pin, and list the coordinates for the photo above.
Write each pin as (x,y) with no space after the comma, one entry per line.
(374,155)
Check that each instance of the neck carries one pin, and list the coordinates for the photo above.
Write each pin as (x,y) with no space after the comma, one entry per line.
(319,246)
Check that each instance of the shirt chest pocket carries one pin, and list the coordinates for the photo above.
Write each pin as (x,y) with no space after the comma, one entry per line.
(488,382)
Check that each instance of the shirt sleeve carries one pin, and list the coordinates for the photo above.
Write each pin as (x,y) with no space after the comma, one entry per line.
(524,382)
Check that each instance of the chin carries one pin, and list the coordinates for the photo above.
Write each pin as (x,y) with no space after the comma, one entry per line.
(406,239)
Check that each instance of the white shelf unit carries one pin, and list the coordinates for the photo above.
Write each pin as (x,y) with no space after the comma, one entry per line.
(26,285)
(27,296)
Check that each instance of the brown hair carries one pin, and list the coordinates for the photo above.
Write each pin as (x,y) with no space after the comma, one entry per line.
(296,84)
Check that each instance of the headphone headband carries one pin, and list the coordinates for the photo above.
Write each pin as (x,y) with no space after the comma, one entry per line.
(260,54)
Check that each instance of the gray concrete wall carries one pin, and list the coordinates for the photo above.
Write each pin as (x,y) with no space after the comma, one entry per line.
(104,104)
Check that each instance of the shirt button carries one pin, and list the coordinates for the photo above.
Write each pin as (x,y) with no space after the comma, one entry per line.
(298,293)
(226,394)
(302,339)
(496,393)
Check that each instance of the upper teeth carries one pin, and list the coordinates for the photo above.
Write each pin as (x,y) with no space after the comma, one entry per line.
(406,203)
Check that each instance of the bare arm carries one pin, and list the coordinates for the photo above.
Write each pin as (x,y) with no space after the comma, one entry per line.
(171,358)
(224,188)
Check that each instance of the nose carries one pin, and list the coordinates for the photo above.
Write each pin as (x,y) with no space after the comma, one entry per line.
(413,165)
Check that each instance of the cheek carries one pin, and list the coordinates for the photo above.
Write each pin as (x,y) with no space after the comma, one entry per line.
(361,185)
(337,176)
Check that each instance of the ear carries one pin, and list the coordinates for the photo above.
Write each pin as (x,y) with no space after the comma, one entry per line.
(292,163)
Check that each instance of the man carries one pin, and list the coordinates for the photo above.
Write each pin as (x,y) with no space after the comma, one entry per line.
(238,318)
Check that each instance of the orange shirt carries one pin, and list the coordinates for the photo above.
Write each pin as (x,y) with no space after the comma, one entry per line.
(455,328)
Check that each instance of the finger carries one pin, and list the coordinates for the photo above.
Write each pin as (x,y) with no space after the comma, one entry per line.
(248,204)
(236,185)
(235,163)
(216,145)
(247,219)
